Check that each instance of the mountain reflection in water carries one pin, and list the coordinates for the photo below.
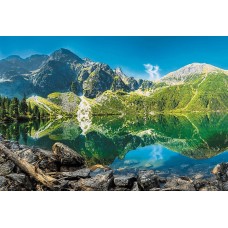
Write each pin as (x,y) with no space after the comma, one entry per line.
(181,144)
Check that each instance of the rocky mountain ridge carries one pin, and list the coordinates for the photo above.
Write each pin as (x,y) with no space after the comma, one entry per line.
(189,71)
(62,71)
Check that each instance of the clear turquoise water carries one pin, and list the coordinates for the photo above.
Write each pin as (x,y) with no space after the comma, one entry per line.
(176,145)
(166,162)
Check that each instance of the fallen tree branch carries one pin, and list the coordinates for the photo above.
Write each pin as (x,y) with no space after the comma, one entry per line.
(29,169)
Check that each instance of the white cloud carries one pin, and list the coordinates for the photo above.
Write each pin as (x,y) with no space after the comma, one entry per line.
(153,71)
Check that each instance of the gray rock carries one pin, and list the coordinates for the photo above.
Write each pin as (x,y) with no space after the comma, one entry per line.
(3,182)
(148,180)
(28,155)
(20,178)
(179,184)
(6,168)
(225,186)
(124,181)
(2,158)
(67,156)
(162,180)
(209,188)
(199,184)
(81,173)
(15,146)
(68,168)
(135,187)
(221,171)
(120,189)
(101,182)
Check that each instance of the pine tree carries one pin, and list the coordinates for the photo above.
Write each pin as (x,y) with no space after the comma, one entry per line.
(23,106)
(73,87)
(14,108)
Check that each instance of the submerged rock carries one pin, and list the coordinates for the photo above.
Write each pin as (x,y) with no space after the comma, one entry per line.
(148,180)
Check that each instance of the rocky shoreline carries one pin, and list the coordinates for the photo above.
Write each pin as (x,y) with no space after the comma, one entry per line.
(24,168)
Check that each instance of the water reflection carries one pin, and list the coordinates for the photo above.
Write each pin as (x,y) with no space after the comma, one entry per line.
(160,141)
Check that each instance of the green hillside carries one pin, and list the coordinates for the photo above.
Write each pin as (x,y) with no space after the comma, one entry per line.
(67,101)
(45,105)
(205,93)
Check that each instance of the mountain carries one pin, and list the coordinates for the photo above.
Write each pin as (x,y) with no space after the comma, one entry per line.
(195,87)
(15,74)
(42,75)
(189,72)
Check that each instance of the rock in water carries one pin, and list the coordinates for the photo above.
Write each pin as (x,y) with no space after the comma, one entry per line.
(67,156)
(148,180)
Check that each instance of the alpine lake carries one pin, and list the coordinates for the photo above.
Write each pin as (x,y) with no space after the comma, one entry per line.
(184,144)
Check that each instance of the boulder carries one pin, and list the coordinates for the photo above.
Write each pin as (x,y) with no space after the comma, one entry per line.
(3,182)
(28,155)
(148,180)
(179,184)
(20,178)
(2,158)
(101,182)
(15,146)
(135,187)
(120,189)
(67,156)
(6,168)
(225,186)
(81,173)
(209,188)
(124,181)
(221,171)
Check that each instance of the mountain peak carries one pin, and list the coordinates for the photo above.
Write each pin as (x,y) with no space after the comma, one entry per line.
(119,72)
(64,55)
(183,73)
(13,57)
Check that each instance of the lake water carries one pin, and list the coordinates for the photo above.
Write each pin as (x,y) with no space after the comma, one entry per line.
(178,145)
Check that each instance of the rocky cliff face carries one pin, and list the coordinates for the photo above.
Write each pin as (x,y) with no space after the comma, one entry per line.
(42,75)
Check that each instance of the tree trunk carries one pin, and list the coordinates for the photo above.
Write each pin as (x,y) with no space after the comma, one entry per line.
(31,170)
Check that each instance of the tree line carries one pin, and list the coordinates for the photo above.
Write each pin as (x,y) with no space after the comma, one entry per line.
(15,109)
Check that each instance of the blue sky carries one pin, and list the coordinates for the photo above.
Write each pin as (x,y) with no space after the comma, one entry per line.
(142,57)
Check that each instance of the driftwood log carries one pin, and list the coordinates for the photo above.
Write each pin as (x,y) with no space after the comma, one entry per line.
(29,169)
